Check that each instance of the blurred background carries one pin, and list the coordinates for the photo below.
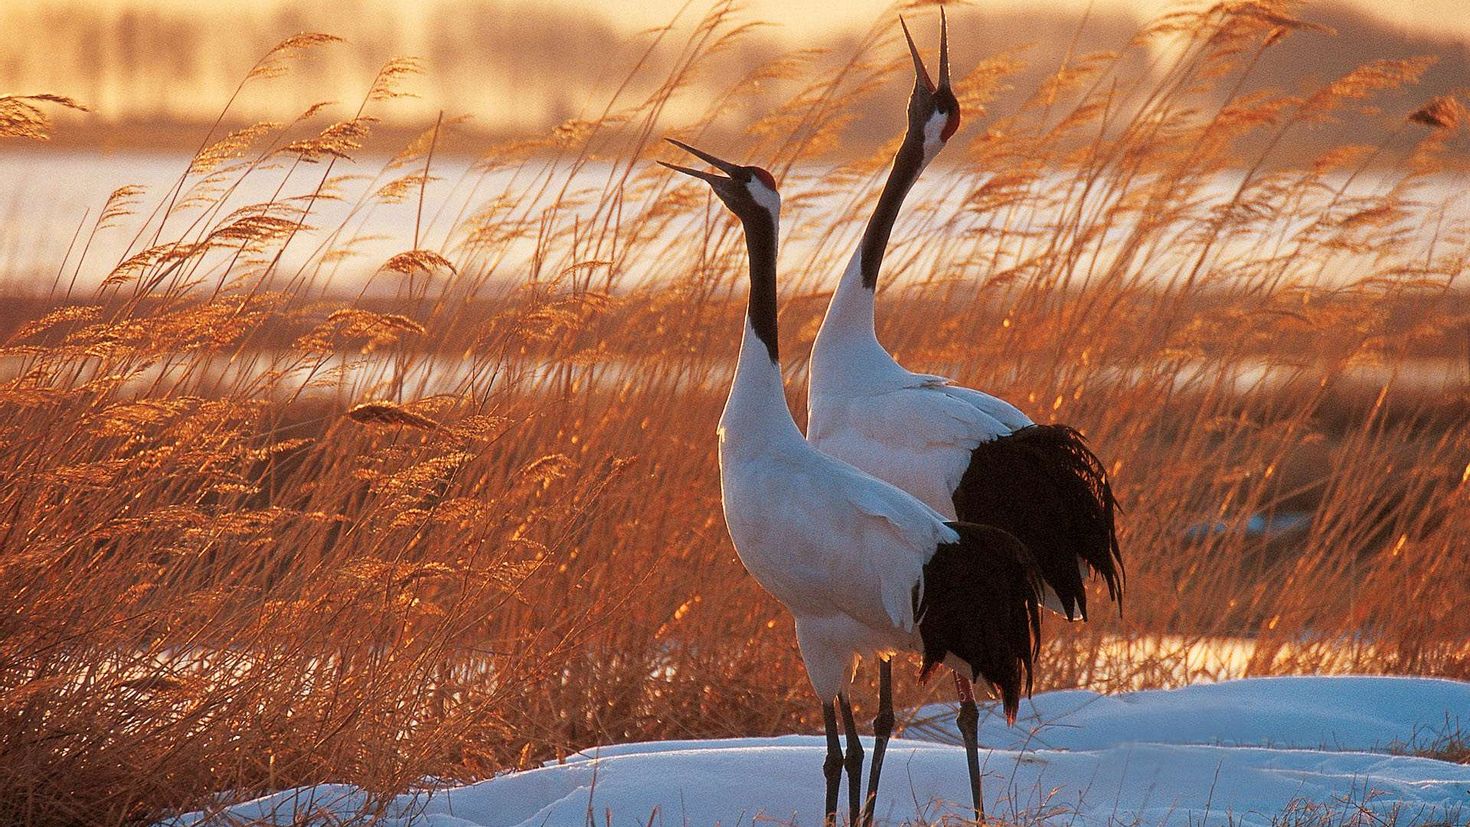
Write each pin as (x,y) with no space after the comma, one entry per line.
(153,72)
(160,78)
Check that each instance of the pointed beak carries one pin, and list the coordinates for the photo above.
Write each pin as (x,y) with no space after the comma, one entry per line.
(703,176)
(719,163)
(943,50)
(921,75)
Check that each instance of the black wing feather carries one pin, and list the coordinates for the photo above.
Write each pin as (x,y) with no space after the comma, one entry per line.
(1044,485)
(981,602)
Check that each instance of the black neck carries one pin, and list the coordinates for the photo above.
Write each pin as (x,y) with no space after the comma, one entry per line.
(906,167)
(760,242)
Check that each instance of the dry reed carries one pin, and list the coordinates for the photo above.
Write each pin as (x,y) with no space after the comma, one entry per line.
(256,535)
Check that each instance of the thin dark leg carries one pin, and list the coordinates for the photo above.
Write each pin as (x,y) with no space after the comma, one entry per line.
(854,764)
(969,720)
(832,767)
(882,728)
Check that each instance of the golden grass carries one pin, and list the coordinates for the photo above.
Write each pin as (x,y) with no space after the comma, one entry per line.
(253,536)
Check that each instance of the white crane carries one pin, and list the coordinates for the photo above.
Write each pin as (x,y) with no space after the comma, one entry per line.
(967,454)
(866,569)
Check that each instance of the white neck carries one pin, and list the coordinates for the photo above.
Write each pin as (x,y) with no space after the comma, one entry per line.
(846,356)
(757,419)
(847,348)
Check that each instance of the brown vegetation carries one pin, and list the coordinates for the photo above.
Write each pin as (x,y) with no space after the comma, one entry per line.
(478,525)
(154,73)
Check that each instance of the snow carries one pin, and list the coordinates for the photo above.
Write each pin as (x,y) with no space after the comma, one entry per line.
(1247,752)
(1331,713)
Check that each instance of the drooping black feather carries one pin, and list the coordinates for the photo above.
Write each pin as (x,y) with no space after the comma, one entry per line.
(981,602)
(1044,485)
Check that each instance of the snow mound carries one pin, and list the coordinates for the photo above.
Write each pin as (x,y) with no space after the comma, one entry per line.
(1152,758)
(1333,713)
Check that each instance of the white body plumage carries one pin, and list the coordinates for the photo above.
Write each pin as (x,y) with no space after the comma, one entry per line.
(842,550)
(913,430)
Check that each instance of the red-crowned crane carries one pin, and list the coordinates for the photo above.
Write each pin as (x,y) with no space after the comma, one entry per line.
(866,569)
(967,454)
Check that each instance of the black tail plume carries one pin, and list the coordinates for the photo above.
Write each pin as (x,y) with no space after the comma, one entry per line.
(981,602)
(1044,485)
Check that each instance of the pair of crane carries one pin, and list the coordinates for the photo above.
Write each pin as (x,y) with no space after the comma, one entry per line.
(914,515)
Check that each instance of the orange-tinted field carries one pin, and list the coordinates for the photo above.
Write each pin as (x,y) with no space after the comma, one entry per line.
(255,534)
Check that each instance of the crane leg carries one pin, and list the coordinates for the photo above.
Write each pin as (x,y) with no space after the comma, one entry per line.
(832,767)
(882,728)
(854,762)
(968,721)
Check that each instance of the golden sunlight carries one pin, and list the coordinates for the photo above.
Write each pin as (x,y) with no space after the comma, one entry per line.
(556,414)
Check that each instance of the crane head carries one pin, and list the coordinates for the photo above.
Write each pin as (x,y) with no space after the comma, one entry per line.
(749,192)
(934,112)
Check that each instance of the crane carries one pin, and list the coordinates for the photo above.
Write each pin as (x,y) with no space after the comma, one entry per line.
(969,455)
(865,569)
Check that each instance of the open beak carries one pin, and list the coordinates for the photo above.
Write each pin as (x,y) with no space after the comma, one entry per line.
(921,74)
(720,164)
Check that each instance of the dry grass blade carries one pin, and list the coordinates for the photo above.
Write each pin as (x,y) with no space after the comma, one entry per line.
(389,82)
(1445,112)
(418,261)
(389,413)
(21,116)
(230,147)
(336,141)
(275,61)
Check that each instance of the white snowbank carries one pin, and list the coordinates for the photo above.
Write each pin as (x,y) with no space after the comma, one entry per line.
(1334,713)
(1145,758)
